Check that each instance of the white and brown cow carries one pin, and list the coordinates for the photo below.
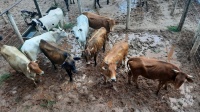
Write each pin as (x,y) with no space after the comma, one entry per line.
(19,62)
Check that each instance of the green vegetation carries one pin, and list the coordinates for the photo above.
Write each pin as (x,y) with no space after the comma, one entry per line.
(4,77)
(173,28)
(68,26)
(47,103)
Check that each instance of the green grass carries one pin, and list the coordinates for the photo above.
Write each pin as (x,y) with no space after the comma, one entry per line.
(47,103)
(173,28)
(4,77)
(68,26)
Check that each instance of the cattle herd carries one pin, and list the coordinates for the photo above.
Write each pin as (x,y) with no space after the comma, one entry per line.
(25,60)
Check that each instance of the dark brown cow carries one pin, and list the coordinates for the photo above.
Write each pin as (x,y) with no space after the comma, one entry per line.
(97,21)
(59,56)
(113,59)
(96,42)
(155,69)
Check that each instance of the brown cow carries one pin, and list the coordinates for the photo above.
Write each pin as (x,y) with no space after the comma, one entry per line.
(114,58)
(97,21)
(59,56)
(155,69)
(96,42)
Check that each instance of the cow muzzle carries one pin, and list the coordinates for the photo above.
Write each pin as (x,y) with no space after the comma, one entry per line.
(113,80)
(42,73)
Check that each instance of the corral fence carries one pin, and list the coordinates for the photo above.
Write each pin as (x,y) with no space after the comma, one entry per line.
(195,48)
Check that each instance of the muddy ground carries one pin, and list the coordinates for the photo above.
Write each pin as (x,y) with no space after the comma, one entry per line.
(148,36)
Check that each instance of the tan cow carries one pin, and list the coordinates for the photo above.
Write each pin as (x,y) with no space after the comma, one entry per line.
(97,21)
(19,62)
(114,58)
(155,69)
(97,41)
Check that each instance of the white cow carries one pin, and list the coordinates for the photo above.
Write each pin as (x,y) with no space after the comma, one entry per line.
(31,47)
(19,62)
(51,20)
(81,30)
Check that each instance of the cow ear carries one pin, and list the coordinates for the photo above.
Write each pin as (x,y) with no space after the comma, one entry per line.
(80,30)
(76,58)
(189,78)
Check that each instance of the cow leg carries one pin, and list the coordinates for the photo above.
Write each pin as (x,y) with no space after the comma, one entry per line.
(104,47)
(95,59)
(160,86)
(69,72)
(134,78)
(66,2)
(97,1)
(73,2)
(165,86)
(107,2)
(129,76)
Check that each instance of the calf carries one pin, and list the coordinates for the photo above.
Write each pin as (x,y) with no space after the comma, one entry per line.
(97,2)
(96,42)
(155,69)
(114,58)
(59,56)
(67,4)
(97,21)
(19,62)
(80,31)
(31,47)
(51,20)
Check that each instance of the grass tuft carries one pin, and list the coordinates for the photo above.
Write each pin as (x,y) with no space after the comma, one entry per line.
(47,103)
(173,28)
(4,77)
(68,26)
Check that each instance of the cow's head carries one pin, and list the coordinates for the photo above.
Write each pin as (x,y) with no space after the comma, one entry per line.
(33,67)
(69,63)
(87,53)
(111,23)
(77,32)
(110,71)
(181,78)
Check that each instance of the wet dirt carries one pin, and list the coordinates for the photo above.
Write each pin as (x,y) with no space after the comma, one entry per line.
(88,93)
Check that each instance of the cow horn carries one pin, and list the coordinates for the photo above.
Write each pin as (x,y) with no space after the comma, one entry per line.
(176,71)
(106,62)
(190,76)
(103,68)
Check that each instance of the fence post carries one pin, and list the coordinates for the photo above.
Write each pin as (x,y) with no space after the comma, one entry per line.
(79,6)
(38,8)
(128,14)
(196,43)
(173,7)
(4,18)
(12,21)
(182,20)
